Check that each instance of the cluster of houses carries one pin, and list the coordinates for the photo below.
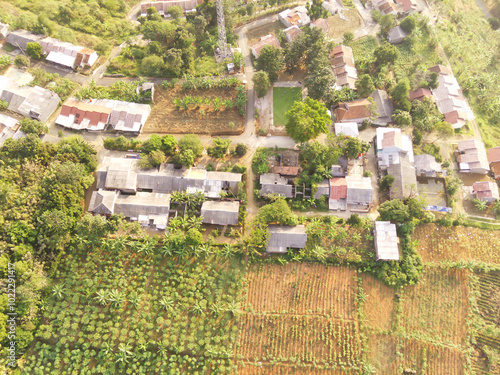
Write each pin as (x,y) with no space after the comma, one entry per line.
(144,195)
(162,7)
(98,115)
(55,51)
(33,102)
(395,7)
(449,98)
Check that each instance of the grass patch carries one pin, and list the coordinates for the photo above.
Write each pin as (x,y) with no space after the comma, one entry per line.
(283,99)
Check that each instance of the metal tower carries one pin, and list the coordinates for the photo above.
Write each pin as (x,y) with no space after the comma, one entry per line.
(223,50)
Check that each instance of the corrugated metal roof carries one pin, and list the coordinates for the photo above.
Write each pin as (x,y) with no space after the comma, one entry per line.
(386,241)
(283,237)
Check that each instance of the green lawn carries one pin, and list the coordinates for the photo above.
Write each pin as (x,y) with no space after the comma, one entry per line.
(283,99)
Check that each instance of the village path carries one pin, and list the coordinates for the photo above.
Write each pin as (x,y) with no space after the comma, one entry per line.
(484,8)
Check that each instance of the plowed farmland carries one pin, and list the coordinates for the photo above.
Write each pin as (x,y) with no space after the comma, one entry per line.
(166,118)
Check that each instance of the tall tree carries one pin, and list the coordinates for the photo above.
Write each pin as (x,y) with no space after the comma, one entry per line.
(271,61)
(261,83)
(307,120)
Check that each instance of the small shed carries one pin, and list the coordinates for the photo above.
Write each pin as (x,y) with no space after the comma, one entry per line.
(273,183)
(21,38)
(4,30)
(386,241)
(427,166)
(486,191)
(347,128)
(323,189)
(220,212)
(282,238)
(102,202)
(396,35)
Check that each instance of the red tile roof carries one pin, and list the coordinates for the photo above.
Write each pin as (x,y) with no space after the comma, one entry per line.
(494,154)
(441,69)
(420,94)
(341,50)
(268,40)
(486,189)
(338,188)
(285,171)
(356,109)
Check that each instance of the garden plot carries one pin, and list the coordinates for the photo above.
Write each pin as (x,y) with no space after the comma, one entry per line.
(437,243)
(260,368)
(207,113)
(126,310)
(426,358)
(283,99)
(436,308)
(338,26)
(382,353)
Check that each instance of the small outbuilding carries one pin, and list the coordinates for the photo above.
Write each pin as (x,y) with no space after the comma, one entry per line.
(349,129)
(427,166)
(486,191)
(282,238)
(220,212)
(273,183)
(396,35)
(386,241)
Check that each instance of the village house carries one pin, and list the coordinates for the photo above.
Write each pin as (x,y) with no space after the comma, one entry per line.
(322,24)
(472,157)
(420,94)
(494,160)
(333,6)
(356,111)
(338,194)
(9,128)
(282,238)
(268,40)
(33,102)
(285,171)
(386,241)
(406,6)
(349,129)
(291,33)
(345,72)
(95,115)
(384,107)
(147,90)
(396,35)
(359,193)
(220,212)
(297,16)
(486,191)
(441,70)
(323,188)
(405,179)
(67,54)
(427,166)
(149,209)
(21,38)
(386,6)
(162,7)
(273,183)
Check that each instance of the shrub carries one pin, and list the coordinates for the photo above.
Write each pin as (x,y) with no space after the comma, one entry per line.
(34,50)
(3,105)
(191,142)
(367,174)
(21,61)
(386,182)
(241,149)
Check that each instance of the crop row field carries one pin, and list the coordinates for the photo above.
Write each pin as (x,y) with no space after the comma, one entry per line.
(437,244)
(422,328)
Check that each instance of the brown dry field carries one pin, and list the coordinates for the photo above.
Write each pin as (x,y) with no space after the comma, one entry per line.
(267,369)
(301,288)
(310,339)
(437,306)
(165,118)
(437,243)
(379,303)
(339,26)
(382,353)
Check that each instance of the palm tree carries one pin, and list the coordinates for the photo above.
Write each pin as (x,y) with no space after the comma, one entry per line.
(102,297)
(167,249)
(197,308)
(135,299)
(124,353)
(107,348)
(233,307)
(167,303)
(215,308)
(59,291)
(480,204)
(116,297)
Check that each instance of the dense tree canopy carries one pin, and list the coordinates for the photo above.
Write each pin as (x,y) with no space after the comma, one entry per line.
(271,61)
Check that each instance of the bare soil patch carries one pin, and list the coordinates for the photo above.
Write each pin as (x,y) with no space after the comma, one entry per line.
(302,289)
(382,353)
(437,243)
(339,26)
(273,28)
(287,369)
(165,118)
(436,308)
(379,303)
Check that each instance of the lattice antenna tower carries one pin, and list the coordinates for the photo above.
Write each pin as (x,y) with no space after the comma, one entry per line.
(224,50)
